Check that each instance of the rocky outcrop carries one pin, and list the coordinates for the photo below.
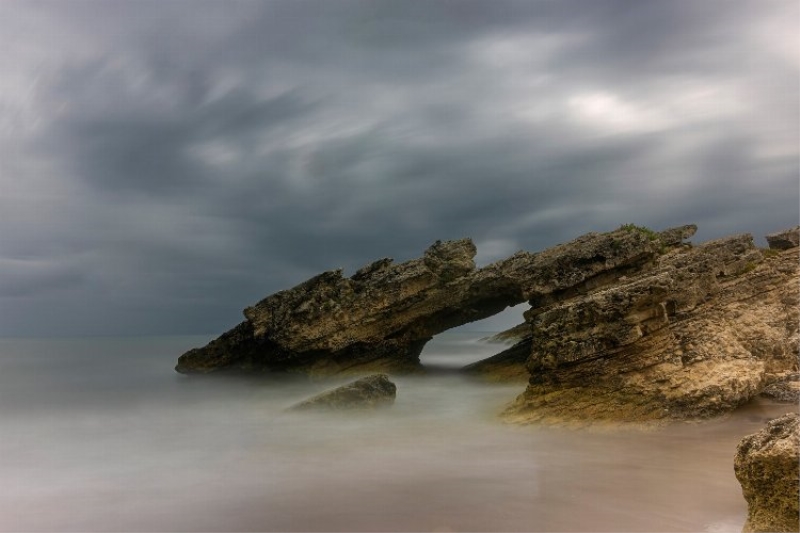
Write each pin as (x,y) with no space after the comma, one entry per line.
(784,240)
(380,318)
(365,393)
(693,335)
(766,465)
(630,325)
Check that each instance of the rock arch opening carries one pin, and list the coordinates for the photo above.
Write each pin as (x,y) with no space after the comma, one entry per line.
(473,342)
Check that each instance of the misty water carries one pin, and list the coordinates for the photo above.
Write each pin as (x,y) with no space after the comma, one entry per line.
(102,435)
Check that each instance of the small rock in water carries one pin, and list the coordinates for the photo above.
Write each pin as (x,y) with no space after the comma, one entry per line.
(365,393)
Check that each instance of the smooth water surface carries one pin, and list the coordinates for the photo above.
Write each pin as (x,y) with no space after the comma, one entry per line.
(102,435)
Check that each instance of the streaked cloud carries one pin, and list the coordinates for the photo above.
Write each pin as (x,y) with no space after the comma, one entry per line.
(163,165)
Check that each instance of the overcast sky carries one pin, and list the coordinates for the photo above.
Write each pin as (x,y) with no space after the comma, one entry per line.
(165,164)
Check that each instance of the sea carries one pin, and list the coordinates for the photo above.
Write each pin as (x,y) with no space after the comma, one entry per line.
(100,434)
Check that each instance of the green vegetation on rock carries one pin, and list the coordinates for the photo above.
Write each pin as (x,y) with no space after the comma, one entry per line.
(652,235)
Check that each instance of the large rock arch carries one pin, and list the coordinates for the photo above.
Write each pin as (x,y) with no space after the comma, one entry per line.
(381,317)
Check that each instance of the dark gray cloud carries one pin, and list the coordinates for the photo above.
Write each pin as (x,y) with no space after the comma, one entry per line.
(163,165)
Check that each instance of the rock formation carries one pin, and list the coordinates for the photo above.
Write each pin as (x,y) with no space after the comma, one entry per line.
(766,465)
(380,318)
(691,336)
(365,393)
(630,325)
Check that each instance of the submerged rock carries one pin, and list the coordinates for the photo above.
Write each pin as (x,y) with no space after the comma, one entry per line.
(693,335)
(767,466)
(365,393)
(380,318)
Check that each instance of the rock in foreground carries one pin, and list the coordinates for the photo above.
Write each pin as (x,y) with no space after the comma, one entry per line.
(365,393)
(766,465)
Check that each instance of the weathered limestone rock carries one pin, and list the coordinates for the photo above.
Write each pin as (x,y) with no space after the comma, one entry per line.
(784,240)
(630,325)
(380,318)
(365,393)
(692,336)
(767,466)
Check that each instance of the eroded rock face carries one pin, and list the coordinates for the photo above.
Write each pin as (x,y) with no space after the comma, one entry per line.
(365,393)
(767,466)
(380,318)
(692,336)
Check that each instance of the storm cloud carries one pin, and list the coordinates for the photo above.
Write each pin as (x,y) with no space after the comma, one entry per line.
(165,164)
